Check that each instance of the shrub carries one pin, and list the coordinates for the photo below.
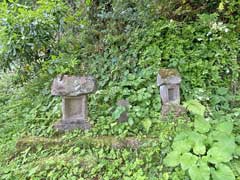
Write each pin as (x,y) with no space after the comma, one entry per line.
(205,150)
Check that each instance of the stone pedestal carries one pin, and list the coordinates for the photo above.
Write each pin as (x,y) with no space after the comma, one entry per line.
(169,81)
(74,90)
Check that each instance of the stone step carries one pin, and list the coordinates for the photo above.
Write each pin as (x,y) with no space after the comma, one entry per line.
(101,141)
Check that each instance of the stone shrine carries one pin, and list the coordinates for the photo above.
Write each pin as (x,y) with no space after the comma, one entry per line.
(169,81)
(124,115)
(74,90)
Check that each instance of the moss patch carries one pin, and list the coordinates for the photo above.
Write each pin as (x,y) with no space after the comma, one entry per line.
(100,141)
(164,73)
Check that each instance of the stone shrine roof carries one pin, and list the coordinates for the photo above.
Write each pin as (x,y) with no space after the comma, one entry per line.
(168,77)
(65,85)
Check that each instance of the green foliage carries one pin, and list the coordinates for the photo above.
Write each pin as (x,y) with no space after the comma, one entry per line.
(61,64)
(201,125)
(202,55)
(28,35)
(222,171)
(204,150)
(201,171)
(147,124)
(195,107)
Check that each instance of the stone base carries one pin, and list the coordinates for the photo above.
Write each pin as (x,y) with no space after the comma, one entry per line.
(72,124)
(173,109)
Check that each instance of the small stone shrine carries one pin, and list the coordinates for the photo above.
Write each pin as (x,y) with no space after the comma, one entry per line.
(74,90)
(124,115)
(169,82)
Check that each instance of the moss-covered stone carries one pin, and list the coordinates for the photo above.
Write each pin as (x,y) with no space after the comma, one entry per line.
(165,73)
(34,141)
(114,142)
(101,141)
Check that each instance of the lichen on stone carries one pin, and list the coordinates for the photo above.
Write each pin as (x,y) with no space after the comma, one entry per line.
(165,73)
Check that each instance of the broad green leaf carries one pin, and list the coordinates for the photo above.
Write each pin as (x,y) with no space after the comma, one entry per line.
(196,137)
(147,124)
(182,146)
(195,107)
(172,159)
(222,140)
(225,127)
(218,136)
(217,155)
(199,172)
(181,136)
(199,148)
(223,172)
(187,160)
(226,144)
(201,125)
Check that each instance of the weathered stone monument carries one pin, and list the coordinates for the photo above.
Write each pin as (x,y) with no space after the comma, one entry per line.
(169,81)
(74,90)
(124,115)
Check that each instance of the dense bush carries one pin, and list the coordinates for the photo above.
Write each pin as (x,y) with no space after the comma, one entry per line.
(29,34)
(205,150)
